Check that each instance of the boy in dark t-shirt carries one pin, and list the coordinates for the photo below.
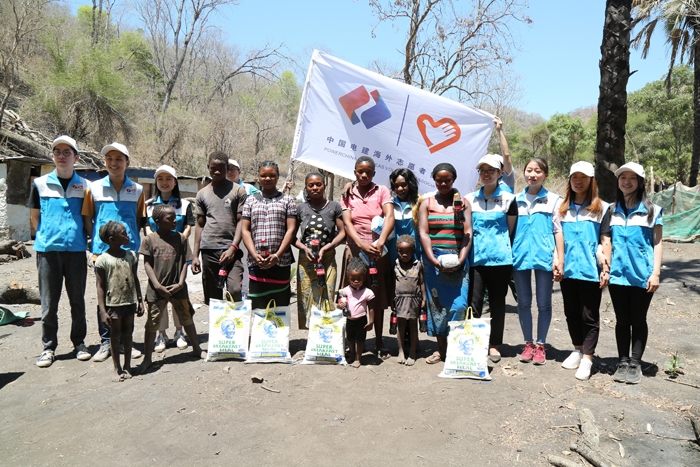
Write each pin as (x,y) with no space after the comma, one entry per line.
(166,254)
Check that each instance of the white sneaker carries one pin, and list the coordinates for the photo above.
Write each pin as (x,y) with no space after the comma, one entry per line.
(572,361)
(181,342)
(82,353)
(102,354)
(160,343)
(45,359)
(584,369)
(135,353)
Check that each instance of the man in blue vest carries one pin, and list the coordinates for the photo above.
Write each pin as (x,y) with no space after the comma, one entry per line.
(113,198)
(55,201)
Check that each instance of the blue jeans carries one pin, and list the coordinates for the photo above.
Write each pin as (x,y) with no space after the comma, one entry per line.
(543,287)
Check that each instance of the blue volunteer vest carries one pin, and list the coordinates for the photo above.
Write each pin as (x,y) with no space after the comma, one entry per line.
(61,225)
(633,245)
(533,246)
(112,206)
(491,244)
(403,225)
(180,213)
(581,237)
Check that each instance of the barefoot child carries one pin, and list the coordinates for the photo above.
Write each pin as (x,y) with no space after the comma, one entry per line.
(118,293)
(410,295)
(165,255)
(358,300)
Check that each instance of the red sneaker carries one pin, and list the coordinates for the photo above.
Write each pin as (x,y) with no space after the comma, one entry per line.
(540,357)
(528,352)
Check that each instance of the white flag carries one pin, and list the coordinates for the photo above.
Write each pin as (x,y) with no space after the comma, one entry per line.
(348,112)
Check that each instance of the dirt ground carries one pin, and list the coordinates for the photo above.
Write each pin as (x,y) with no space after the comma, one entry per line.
(193,412)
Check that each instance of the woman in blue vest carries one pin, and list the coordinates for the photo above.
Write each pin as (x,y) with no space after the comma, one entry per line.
(494,214)
(166,190)
(406,200)
(584,222)
(636,229)
(534,250)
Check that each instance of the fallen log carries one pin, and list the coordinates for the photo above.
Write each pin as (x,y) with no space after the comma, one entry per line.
(591,455)
(561,462)
(15,293)
(588,427)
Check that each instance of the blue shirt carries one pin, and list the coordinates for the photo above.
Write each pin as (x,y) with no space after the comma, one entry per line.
(633,245)
(582,231)
(403,225)
(60,225)
(533,245)
(491,244)
(121,206)
(180,213)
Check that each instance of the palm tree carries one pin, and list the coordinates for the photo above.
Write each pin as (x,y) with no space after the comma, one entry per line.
(612,103)
(680,22)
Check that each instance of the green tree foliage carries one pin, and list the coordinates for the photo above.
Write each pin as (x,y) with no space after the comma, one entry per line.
(661,128)
(570,140)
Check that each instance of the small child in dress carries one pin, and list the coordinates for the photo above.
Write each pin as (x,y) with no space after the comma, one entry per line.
(358,308)
(118,293)
(165,256)
(410,297)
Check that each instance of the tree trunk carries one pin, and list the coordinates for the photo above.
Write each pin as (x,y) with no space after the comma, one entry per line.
(695,160)
(612,103)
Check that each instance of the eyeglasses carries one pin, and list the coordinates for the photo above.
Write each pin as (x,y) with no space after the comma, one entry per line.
(487,171)
(64,153)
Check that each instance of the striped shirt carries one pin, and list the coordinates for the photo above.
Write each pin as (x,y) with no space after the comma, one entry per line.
(442,229)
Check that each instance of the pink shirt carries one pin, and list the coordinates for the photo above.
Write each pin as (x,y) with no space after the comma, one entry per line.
(363,210)
(357,301)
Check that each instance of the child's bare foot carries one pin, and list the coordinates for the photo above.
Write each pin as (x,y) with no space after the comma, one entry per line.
(401,360)
(199,354)
(144,366)
(351,359)
(127,373)
(117,377)
(410,361)
(356,364)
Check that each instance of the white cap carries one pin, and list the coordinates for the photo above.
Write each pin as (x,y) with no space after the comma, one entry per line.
(65,140)
(491,159)
(631,167)
(165,169)
(115,147)
(586,168)
(234,163)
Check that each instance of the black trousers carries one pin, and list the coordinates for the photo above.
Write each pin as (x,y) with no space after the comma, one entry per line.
(210,276)
(582,310)
(631,305)
(495,279)
(53,268)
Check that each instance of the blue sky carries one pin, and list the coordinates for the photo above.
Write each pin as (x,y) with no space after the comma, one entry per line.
(557,60)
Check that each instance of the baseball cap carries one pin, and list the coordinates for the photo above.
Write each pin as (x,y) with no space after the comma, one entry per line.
(165,169)
(115,147)
(493,160)
(65,140)
(586,168)
(234,163)
(631,167)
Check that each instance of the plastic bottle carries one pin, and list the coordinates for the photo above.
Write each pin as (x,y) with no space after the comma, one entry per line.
(393,324)
(223,275)
(264,250)
(342,299)
(315,245)
(423,321)
(373,275)
(458,206)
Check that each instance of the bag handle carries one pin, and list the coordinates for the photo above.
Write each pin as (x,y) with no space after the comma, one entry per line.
(274,306)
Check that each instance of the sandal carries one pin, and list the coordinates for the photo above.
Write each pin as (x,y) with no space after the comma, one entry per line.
(384,353)
(434,358)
